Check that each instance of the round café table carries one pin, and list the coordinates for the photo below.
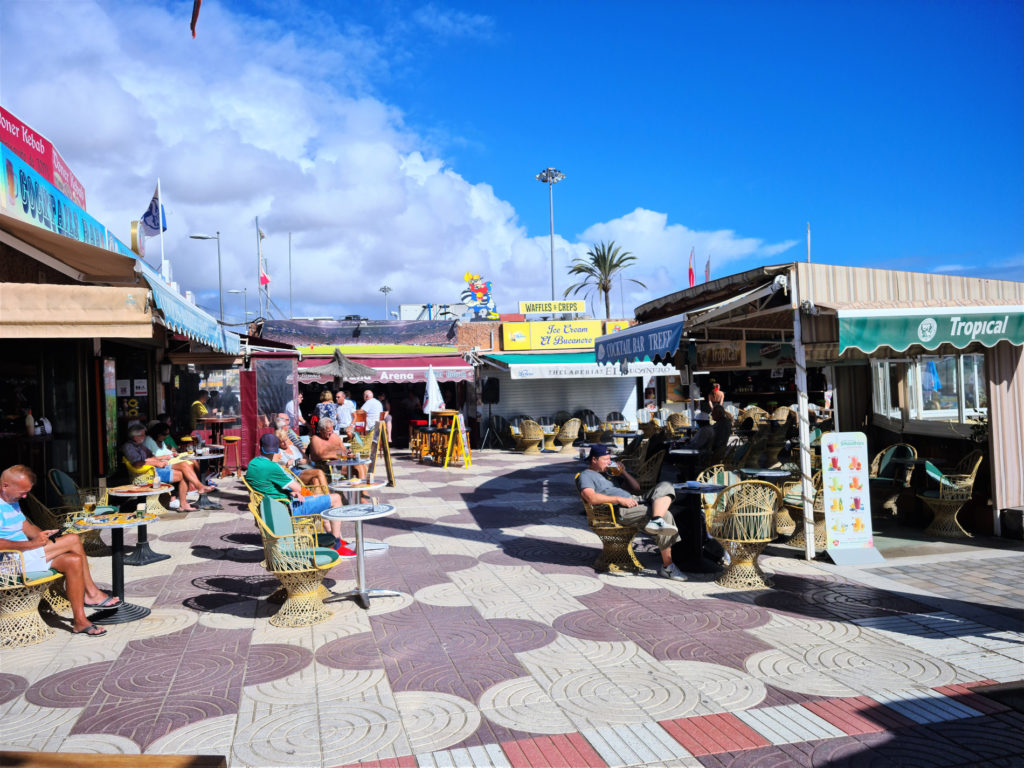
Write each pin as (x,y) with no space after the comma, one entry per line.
(143,554)
(351,489)
(358,513)
(692,531)
(216,425)
(123,612)
(768,475)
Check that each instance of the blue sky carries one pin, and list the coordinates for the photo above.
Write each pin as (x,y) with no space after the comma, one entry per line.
(398,141)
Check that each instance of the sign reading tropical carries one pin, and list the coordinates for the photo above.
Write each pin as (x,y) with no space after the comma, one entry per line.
(561,334)
(867,330)
(552,307)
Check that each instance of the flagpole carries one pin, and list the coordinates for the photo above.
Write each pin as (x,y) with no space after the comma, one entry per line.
(291,311)
(259,267)
(160,224)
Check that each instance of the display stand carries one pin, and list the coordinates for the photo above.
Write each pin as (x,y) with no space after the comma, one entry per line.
(458,448)
(379,444)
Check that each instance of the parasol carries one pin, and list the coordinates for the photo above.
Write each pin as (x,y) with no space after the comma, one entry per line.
(339,367)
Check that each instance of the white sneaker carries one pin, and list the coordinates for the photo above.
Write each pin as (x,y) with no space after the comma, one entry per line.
(174,504)
(671,571)
(658,527)
(724,562)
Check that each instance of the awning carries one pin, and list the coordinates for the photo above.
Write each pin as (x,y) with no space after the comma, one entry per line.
(47,311)
(397,369)
(572,365)
(649,341)
(185,318)
(929,328)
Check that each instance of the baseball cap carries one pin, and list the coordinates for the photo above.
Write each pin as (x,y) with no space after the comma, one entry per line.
(269,444)
(598,450)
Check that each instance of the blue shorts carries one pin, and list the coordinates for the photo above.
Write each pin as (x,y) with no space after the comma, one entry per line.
(164,473)
(311,505)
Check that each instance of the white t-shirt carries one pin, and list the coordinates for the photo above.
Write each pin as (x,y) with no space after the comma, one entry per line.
(345,411)
(373,409)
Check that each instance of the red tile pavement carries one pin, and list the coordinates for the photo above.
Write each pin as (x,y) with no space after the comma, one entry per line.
(570,751)
(858,715)
(711,734)
(964,694)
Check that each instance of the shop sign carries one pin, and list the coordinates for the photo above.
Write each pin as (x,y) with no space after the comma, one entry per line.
(550,335)
(589,371)
(844,476)
(719,355)
(611,326)
(551,307)
(958,326)
(40,155)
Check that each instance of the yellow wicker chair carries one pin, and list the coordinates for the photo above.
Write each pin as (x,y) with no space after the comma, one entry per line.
(71,494)
(648,473)
(716,474)
(743,521)
(530,437)
(888,479)
(20,593)
(677,421)
(314,489)
(289,546)
(648,428)
(567,434)
(616,539)
(63,519)
(758,415)
(955,490)
(793,500)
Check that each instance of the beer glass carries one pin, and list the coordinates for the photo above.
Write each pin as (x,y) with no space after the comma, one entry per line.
(89,504)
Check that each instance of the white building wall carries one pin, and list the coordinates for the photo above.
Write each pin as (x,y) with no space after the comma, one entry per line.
(545,397)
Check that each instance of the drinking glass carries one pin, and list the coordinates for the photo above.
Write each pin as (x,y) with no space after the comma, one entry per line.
(89,503)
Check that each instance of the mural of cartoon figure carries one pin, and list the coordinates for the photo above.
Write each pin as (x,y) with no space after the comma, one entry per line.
(478,298)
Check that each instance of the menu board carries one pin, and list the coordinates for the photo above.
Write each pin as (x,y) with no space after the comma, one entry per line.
(844,477)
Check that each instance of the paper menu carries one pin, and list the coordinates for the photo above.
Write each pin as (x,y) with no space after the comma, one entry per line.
(844,477)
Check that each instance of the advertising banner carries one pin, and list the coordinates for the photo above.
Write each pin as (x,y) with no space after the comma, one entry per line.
(588,371)
(40,155)
(847,500)
(867,330)
(724,354)
(551,307)
(611,326)
(551,335)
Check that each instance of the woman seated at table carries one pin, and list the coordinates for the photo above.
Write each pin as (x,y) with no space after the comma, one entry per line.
(326,446)
(158,441)
(289,456)
(142,462)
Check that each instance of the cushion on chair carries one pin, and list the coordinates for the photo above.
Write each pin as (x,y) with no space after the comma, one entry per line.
(40,575)
(276,516)
(65,485)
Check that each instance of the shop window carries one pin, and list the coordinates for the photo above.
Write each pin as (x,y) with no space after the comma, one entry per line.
(930,389)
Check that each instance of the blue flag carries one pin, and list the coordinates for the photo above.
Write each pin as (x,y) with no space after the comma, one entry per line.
(149,221)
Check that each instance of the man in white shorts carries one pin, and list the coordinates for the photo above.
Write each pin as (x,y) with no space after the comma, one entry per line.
(41,550)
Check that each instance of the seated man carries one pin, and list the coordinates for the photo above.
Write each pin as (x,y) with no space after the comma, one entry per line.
(597,488)
(268,479)
(326,445)
(198,409)
(705,437)
(42,550)
(143,462)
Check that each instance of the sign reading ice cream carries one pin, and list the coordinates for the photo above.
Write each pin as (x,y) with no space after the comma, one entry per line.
(548,335)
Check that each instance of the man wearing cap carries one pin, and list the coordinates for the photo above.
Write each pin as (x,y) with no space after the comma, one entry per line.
(266,477)
(596,488)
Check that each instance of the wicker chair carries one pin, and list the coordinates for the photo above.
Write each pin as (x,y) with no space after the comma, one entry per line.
(590,424)
(567,434)
(648,473)
(531,437)
(743,521)
(888,479)
(717,474)
(561,417)
(677,421)
(955,490)
(312,489)
(793,499)
(20,593)
(63,519)
(616,539)
(648,428)
(289,546)
(70,493)
(615,416)
(757,415)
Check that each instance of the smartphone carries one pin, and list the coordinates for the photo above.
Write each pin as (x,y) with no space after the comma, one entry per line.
(54,536)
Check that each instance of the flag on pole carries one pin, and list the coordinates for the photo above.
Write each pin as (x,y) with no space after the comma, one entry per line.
(707,269)
(264,277)
(154,216)
(693,277)
(195,16)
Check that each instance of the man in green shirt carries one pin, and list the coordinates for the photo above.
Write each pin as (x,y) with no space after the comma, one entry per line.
(266,477)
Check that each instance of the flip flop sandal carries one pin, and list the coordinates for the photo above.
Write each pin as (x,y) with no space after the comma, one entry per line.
(90,631)
(106,603)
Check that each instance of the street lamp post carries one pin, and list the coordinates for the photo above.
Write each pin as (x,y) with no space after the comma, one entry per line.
(220,284)
(551,176)
(385,289)
(245,302)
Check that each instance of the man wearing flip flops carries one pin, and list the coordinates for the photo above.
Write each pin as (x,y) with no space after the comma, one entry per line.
(41,550)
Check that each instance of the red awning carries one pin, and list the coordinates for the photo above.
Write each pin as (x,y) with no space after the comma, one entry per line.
(399,369)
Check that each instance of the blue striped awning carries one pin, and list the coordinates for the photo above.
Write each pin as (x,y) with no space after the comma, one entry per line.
(185,318)
(659,339)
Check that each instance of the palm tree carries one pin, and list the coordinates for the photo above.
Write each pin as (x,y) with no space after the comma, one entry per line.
(599,268)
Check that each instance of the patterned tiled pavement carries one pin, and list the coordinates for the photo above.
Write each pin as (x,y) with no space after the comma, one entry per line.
(506,649)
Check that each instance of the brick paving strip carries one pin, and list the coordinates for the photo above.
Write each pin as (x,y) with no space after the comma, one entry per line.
(506,649)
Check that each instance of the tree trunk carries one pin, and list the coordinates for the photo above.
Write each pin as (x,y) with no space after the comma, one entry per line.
(607,304)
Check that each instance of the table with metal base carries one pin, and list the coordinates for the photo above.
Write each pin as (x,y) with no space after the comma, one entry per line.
(123,612)
(357,513)
(352,499)
(143,553)
(691,528)
(204,501)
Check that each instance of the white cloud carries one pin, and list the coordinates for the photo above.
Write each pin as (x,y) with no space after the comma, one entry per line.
(255,120)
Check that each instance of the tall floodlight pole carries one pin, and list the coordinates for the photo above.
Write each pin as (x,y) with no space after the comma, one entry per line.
(245,301)
(385,289)
(220,282)
(551,176)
